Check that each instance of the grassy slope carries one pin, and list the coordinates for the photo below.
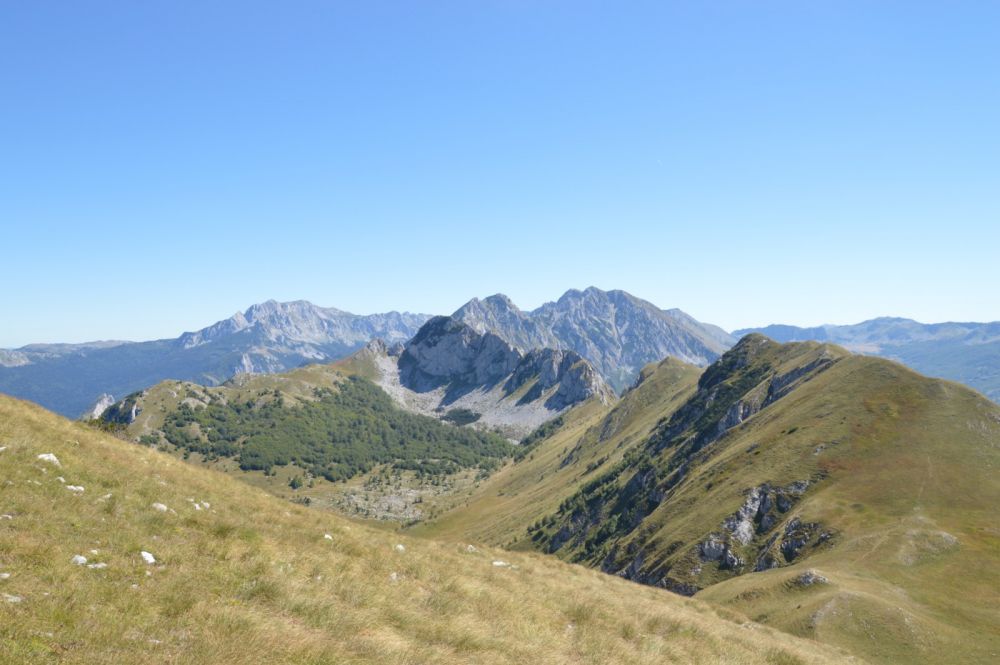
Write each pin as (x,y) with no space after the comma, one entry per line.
(909,463)
(296,386)
(252,579)
(593,439)
(915,467)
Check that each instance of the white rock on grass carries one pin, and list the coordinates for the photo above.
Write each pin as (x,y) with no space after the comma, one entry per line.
(79,560)
(12,599)
(160,507)
(3,448)
(6,517)
(147,557)
(97,566)
(327,536)
(76,489)
(501,564)
(4,576)
(50,458)
(471,549)
(811,577)
(400,548)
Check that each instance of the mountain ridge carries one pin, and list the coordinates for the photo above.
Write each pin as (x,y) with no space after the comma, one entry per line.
(264,338)
(834,495)
(968,352)
(617,332)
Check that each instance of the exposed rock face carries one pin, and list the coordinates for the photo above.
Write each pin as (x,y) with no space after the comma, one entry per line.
(13,358)
(448,365)
(124,412)
(301,322)
(810,577)
(761,510)
(616,332)
(266,338)
(100,406)
(446,351)
(573,378)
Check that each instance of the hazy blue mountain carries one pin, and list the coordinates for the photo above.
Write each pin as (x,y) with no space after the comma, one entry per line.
(268,337)
(618,333)
(964,352)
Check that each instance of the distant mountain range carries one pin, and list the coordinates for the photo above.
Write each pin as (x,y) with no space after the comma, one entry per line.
(268,337)
(618,333)
(965,352)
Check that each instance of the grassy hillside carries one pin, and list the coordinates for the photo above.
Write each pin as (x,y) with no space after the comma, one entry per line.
(963,352)
(305,433)
(838,497)
(589,440)
(241,577)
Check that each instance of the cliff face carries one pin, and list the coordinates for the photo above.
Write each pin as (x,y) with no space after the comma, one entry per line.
(448,366)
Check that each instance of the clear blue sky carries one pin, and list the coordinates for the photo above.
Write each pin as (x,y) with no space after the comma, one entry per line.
(163,164)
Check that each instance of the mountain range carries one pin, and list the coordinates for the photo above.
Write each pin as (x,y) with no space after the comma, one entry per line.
(268,337)
(616,332)
(965,352)
(804,490)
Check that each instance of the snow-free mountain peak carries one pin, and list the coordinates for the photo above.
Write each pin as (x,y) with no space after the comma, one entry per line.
(614,330)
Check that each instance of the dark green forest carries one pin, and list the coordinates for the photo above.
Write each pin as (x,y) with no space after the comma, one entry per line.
(341,434)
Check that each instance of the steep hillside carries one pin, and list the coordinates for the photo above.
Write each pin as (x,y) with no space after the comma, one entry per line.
(451,371)
(314,435)
(838,497)
(269,337)
(964,352)
(617,332)
(561,457)
(111,552)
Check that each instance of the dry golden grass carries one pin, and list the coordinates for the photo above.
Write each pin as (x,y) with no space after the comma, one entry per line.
(252,579)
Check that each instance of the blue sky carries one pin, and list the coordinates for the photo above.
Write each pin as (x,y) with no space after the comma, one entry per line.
(167,163)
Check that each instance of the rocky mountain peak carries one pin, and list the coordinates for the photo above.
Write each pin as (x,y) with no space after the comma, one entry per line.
(446,350)
(449,365)
(613,330)
(302,322)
